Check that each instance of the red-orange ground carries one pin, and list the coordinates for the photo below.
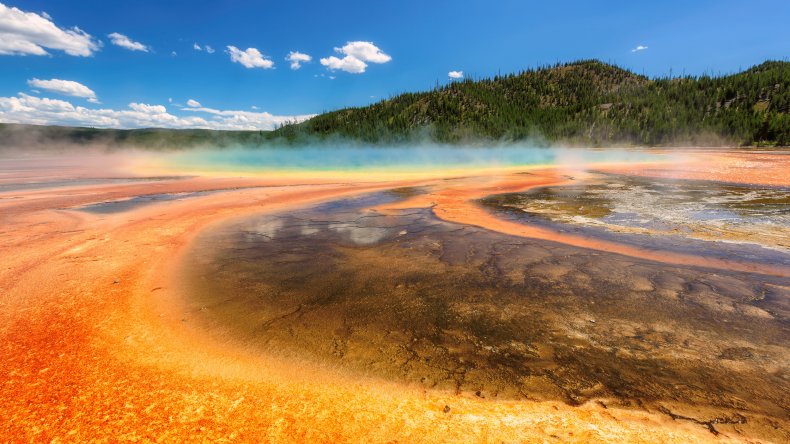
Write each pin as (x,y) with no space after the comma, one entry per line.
(93,346)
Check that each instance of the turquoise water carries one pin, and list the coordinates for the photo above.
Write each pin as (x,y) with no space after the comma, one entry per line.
(410,158)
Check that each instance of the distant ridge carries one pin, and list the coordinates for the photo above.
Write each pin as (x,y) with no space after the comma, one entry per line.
(50,136)
(587,103)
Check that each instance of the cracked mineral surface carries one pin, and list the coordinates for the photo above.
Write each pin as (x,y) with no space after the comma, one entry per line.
(402,295)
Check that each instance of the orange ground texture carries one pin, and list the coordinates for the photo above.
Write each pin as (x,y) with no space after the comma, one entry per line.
(94,346)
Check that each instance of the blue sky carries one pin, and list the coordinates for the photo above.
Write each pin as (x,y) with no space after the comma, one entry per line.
(404,45)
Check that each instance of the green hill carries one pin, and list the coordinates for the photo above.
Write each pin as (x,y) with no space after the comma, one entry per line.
(586,102)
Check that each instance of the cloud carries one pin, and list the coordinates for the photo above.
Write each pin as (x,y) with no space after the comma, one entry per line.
(148,109)
(28,33)
(65,87)
(347,64)
(193,103)
(356,54)
(639,48)
(455,74)
(173,53)
(125,42)
(250,58)
(25,108)
(234,119)
(206,48)
(297,58)
(365,51)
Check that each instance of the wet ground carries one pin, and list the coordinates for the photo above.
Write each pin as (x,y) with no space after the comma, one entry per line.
(407,297)
(121,205)
(703,210)
(12,186)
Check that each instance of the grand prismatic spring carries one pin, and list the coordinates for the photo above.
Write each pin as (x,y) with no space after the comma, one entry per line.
(395,295)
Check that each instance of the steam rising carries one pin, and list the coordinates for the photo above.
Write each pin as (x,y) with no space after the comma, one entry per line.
(325,156)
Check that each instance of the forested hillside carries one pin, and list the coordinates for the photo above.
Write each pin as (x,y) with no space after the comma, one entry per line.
(583,102)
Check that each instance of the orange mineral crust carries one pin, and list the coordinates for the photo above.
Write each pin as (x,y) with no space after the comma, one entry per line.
(94,346)
(759,167)
(457,203)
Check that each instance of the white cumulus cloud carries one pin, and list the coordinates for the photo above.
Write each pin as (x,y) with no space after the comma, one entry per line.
(250,58)
(639,48)
(148,109)
(209,49)
(365,51)
(125,42)
(357,55)
(193,103)
(25,108)
(455,74)
(297,58)
(65,87)
(347,64)
(28,33)
(197,47)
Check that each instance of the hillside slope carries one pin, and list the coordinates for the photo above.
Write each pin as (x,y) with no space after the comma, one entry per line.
(584,102)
